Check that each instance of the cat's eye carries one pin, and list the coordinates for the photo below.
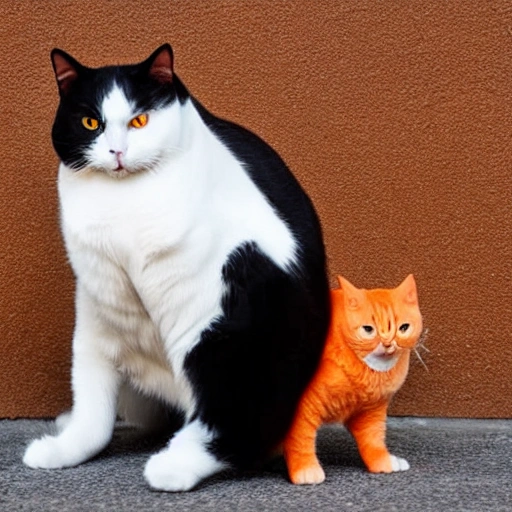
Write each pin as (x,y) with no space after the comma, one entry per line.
(404,328)
(139,122)
(90,123)
(367,331)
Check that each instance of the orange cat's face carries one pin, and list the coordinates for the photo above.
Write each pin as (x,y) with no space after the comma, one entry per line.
(381,324)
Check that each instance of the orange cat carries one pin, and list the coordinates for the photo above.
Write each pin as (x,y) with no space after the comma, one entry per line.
(365,361)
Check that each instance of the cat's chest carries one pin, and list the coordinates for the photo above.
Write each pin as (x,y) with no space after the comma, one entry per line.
(357,387)
(119,220)
(133,248)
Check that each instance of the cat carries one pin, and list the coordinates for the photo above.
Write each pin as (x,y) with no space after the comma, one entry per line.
(201,282)
(365,361)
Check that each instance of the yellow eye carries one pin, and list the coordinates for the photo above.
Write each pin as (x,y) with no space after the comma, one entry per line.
(90,123)
(139,121)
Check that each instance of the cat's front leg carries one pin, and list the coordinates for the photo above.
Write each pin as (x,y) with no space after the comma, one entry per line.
(369,431)
(88,428)
(300,450)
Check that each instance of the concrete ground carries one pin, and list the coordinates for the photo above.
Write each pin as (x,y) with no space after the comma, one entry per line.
(456,465)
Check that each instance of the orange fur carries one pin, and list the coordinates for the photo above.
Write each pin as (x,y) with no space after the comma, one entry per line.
(350,390)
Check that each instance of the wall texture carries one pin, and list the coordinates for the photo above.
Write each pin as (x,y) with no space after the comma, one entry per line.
(396,116)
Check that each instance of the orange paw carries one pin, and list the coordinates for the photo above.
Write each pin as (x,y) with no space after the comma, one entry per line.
(389,464)
(309,475)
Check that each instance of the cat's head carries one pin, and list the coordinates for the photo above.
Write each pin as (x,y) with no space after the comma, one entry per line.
(117,120)
(381,324)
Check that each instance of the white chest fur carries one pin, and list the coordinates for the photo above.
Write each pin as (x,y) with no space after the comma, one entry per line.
(148,250)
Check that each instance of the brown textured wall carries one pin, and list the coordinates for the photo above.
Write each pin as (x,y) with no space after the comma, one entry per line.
(396,116)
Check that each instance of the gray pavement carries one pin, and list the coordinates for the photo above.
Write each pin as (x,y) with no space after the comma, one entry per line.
(456,465)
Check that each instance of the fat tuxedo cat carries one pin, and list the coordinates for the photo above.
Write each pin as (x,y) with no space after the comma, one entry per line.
(200,274)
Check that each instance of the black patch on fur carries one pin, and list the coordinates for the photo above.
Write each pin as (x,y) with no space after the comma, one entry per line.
(252,365)
(271,175)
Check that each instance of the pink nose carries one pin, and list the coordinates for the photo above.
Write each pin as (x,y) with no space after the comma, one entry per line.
(119,158)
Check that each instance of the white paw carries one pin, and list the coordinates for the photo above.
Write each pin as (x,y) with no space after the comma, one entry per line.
(163,475)
(185,462)
(45,453)
(399,464)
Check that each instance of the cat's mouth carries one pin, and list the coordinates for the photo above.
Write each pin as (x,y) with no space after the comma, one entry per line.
(118,172)
(385,351)
(383,359)
(120,169)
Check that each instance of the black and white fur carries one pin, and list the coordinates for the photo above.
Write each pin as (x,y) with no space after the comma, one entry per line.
(200,274)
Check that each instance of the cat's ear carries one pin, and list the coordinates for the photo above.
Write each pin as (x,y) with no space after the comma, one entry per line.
(353,297)
(407,290)
(66,69)
(161,63)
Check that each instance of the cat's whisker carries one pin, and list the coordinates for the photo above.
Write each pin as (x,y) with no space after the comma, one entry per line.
(420,359)
(151,165)
(421,345)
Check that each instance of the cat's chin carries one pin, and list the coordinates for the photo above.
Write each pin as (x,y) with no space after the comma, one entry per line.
(116,173)
(381,362)
(120,172)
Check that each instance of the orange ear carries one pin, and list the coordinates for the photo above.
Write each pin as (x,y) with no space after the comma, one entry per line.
(353,296)
(407,290)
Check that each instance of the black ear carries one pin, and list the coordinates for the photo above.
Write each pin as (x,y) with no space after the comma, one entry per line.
(66,69)
(161,64)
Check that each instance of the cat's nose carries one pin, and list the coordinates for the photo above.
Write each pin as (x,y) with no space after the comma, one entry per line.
(389,346)
(119,158)
(387,339)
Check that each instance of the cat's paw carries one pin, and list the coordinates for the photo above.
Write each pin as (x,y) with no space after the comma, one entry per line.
(164,475)
(45,453)
(398,464)
(185,462)
(387,464)
(308,476)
